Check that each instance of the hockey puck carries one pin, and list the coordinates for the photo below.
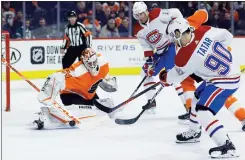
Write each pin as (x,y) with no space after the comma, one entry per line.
(39,123)
(72,123)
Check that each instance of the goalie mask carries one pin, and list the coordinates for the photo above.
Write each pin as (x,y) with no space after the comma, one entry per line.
(90,61)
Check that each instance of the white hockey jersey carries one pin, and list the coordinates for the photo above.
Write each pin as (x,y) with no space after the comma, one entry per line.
(152,35)
(207,56)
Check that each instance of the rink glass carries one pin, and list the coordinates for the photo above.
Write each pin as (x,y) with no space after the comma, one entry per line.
(48,19)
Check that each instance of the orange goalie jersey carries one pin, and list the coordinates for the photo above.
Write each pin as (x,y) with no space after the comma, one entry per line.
(79,80)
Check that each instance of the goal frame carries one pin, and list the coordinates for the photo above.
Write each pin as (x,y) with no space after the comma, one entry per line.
(5,38)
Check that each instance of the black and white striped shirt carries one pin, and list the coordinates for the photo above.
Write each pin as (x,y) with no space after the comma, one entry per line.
(77,35)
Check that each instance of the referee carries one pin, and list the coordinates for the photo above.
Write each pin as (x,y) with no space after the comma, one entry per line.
(76,39)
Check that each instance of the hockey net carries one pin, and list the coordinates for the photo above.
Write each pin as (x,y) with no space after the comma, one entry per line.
(5,79)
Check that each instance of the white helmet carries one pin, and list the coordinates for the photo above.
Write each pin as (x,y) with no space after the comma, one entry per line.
(139,7)
(90,61)
(178,24)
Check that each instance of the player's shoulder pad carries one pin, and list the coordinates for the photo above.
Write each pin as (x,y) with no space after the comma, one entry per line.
(137,28)
(198,18)
(154,13)
(202,30)
(202,14)
(185,53)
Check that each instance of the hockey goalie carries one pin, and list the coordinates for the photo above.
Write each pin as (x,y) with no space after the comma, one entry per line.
(76,85)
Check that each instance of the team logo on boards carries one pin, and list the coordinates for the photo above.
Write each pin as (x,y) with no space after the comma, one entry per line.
(37,55)
(14,55)
(154,36)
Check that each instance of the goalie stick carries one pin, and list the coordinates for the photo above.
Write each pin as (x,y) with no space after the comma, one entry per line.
(109,110)
(133,120)
(55,104)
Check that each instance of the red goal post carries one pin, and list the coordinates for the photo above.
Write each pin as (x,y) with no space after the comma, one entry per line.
(5,85)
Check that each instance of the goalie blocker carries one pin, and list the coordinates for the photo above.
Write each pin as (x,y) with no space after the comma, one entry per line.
(77,84)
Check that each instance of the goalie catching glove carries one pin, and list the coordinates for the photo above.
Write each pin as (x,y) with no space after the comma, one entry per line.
(109,84)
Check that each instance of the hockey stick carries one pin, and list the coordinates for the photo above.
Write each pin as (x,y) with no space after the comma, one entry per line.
(137,88)
(109,110)
(37,89)
(133,120)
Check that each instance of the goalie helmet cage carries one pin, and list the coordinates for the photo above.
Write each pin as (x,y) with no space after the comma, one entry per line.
(5,81)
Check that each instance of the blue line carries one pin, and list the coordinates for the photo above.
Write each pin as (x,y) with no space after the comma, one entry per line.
(217,128)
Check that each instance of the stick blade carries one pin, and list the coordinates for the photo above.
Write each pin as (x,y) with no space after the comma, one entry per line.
(125,121)
(102,107)
(129,121)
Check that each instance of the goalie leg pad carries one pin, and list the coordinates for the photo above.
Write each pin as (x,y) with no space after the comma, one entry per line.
(53,116)
(53,85)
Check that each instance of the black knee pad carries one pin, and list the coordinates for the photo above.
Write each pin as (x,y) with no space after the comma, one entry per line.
(204,108)
(65,100)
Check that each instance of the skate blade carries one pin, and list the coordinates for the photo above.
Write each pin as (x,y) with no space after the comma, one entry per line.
(150,111)
(189,141)
(184,122)
(229,154)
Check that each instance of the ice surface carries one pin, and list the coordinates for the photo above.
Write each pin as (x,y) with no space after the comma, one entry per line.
(151,138)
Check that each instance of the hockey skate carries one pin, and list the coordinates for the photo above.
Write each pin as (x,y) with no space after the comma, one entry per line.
(39,123)
(243,125)
(227,150)
(150,107)
(189,136)
(184,119)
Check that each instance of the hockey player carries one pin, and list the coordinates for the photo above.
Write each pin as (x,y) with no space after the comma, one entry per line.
(188,85)
(204,52)
(232,104)
(77,84)
(150,31)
